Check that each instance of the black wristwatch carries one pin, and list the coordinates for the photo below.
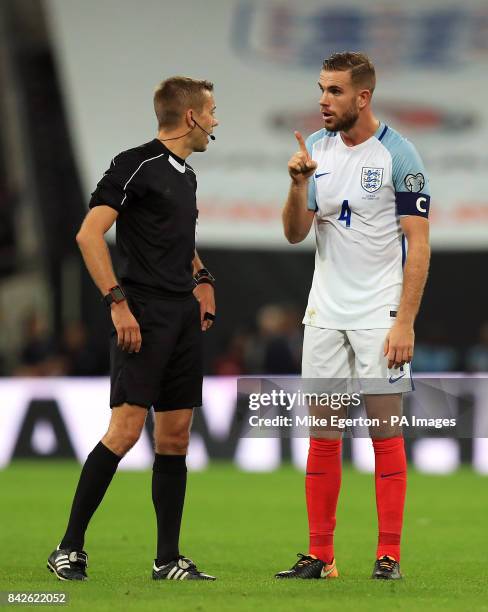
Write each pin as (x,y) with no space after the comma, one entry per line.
(204,276)
(115,294)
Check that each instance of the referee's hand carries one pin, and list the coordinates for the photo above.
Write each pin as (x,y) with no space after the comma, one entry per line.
(128,331)
(205,296)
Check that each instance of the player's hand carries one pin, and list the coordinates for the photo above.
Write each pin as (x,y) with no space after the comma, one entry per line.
(301,166)
(128,332)
(205,295)
(398,347)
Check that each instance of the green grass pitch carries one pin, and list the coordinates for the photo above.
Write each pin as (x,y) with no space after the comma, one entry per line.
(244,527)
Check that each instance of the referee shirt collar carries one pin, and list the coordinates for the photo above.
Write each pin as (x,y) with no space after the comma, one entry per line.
(160,148)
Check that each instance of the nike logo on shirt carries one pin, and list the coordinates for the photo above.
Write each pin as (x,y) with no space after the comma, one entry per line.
(321,174)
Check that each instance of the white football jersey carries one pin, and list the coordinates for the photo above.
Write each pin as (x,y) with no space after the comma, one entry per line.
(359,194)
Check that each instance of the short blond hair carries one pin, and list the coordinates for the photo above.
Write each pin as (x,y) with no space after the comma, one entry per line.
(177,94)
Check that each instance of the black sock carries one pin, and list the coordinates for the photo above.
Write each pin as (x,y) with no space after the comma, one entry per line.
(97,473)
(168,494)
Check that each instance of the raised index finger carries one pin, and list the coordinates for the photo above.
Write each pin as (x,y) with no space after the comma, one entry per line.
(301,143)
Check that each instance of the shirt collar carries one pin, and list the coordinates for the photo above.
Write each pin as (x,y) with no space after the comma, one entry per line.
(161,148)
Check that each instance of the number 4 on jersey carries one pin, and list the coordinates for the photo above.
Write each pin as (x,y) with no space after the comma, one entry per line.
(345,213)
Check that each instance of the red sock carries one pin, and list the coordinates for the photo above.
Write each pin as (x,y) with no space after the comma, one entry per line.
(391,486)
(322,485)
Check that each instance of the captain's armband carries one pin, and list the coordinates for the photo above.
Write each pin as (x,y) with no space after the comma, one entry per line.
(408,203)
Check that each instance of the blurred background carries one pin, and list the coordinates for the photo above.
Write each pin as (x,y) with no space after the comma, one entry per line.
(76,85)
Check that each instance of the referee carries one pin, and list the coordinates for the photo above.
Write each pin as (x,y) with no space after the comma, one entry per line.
(160,306)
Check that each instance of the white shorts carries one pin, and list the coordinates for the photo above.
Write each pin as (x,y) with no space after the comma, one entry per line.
(353,354)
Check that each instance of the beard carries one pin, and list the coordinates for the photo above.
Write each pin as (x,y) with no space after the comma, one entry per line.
(346,122)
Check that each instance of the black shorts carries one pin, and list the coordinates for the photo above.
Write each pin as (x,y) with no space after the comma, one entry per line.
(167,372)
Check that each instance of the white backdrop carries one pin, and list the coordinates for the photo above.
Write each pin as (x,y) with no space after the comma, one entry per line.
(83,407)
(264,58)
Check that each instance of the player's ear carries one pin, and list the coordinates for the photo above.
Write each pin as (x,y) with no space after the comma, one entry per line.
(364,98)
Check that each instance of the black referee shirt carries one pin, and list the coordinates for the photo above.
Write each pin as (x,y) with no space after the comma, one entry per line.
(154,192)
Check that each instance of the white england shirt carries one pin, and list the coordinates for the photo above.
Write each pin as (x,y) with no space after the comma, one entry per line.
(359,194)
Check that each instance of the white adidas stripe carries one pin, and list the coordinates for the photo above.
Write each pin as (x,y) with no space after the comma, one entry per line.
(170,575)
(183,575)
(178,574)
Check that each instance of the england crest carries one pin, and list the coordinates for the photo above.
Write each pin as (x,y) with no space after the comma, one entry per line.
(371,179)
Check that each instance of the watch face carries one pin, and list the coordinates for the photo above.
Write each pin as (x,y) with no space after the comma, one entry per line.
(117,295)
(203,273)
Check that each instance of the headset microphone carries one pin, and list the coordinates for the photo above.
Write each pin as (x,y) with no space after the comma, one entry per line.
(211,136)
